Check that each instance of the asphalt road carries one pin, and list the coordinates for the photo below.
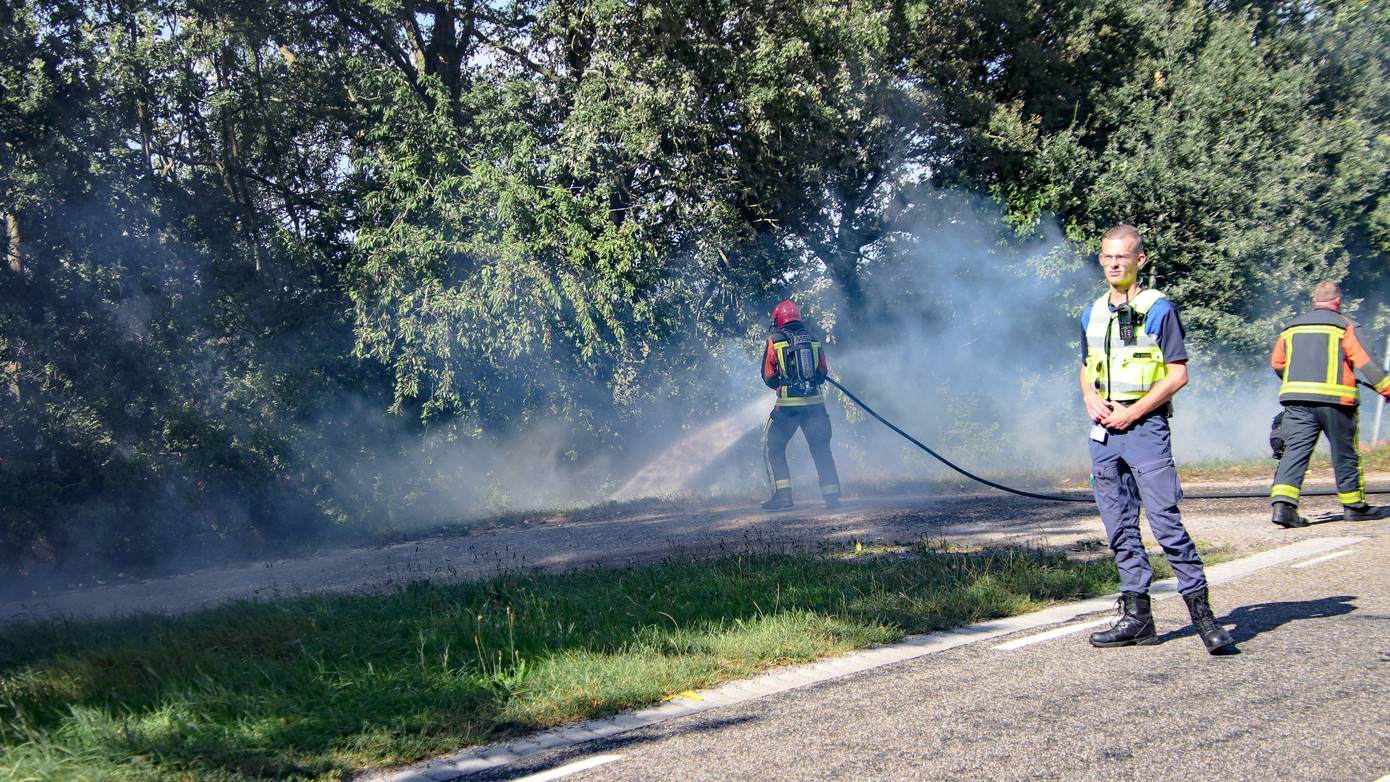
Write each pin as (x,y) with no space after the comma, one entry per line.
(1307,698)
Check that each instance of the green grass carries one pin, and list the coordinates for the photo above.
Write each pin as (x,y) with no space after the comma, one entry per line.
(312,688)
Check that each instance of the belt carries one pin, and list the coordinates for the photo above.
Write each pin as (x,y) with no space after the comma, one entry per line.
(1165,410)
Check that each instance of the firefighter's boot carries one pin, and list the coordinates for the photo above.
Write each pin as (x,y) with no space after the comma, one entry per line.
(781,499)
(1213,635)
(1286,515)
(1134,627)
(1363,512)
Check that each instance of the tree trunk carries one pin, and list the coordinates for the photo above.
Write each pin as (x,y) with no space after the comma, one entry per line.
(844,267)
(232,177)
(14,263)
(271,138)
(142,99)
(12,380)
(12,257)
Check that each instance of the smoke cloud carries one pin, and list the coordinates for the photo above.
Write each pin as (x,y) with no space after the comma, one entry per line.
(966,337)
(970,340)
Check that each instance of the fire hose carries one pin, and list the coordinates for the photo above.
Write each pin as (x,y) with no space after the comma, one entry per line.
(1051,497)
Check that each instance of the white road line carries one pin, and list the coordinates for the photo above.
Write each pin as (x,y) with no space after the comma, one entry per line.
(1385,778)
(569,768)
(1323,558)
(1048,636)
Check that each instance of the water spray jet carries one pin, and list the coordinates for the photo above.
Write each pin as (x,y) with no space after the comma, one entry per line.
(673,469)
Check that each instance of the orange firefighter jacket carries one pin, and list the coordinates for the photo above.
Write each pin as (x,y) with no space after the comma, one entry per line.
(1316,356)
(775,367)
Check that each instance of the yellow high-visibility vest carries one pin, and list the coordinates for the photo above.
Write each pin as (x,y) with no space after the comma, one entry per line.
(1316,368)
(1120,372)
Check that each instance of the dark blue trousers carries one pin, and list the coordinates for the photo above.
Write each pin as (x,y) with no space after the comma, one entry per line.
(1130,466)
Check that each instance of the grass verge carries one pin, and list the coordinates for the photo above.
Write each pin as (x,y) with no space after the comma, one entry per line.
(315,687)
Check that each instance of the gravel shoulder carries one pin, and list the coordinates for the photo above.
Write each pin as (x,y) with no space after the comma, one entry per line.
(651,534)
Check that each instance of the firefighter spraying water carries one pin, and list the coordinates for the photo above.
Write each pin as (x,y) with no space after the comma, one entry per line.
(794,365)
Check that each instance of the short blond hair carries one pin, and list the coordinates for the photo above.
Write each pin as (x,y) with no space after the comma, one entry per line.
(1326,291)
(1124,231)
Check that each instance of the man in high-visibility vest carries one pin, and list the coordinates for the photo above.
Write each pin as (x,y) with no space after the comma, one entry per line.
(794,366)
(1316,357)
(1133,362)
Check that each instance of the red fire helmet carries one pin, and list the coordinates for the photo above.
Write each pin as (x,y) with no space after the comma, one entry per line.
(785,313)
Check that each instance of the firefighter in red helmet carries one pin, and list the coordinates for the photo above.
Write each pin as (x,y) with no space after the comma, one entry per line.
(794,365)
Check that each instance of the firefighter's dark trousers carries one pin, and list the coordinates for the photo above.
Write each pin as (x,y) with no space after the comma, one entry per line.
(814,422)
(1302,424)
(1138,464)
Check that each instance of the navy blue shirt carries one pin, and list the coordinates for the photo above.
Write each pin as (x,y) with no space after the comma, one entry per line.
(1162,322)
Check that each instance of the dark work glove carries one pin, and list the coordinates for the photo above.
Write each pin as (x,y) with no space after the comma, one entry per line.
(1276,435)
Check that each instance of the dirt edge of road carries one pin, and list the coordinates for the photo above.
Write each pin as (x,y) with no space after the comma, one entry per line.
(646,533)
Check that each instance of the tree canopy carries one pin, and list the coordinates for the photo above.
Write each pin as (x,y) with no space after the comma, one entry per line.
(270,263)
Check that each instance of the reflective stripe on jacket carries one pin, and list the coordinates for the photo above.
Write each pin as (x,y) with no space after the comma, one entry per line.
(1316,356)
(1118,371)
(775,368)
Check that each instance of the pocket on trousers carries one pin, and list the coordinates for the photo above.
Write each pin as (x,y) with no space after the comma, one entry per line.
(1158,483)
(1109,494)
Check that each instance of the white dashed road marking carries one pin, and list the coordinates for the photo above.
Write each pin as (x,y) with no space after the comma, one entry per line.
(1048,636)
(1322,559)
(569,768)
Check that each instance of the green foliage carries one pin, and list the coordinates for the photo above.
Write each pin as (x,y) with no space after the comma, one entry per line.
(241,233)
(1241,144)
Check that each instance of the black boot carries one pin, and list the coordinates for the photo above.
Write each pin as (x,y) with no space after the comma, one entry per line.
(1134,627)
(781,499)
(1213,635)
(1363,512)
(1286,515)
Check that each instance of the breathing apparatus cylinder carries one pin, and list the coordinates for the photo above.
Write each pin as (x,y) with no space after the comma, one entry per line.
(805,363)
(802,372)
